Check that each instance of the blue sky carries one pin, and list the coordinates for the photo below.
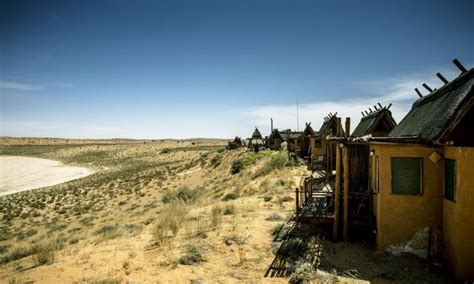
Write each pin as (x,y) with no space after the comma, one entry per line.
(180,69)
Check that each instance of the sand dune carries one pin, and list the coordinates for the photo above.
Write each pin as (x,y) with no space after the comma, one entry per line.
(24,173)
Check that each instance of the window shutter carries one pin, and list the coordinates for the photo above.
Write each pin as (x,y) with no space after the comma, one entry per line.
(407,176)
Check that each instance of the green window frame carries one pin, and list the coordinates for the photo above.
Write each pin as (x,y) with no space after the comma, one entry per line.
(450,179)
(407,176)
(318,144)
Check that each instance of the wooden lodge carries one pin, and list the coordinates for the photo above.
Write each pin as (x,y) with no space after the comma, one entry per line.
(378,123)
(322,155)
(387,186)
(256,142)
(423,175)
(235,144)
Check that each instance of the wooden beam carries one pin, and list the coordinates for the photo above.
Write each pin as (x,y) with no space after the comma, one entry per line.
(427,87)
(459,65)
(345,231)
(418,92)
(348,126)
(442,78)
(337,195)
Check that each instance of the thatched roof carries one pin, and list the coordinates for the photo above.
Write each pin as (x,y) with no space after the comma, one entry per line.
(256,134)
(433,117)
(330,127)
(288,134)
(381,118)
(308,130)
(275,135)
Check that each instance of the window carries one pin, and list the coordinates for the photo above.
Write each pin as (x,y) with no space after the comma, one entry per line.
(450,179)
(407,176)
(317,144)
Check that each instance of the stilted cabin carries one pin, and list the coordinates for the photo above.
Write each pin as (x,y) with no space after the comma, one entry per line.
(423,175)
(256,142)
(305,142)
(237,143)
(275,140)
(291,138)
(376,124)
(323,155)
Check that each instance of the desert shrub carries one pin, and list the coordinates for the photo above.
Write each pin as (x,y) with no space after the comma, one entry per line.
(16,254)
(183,193)
(277,161)
(4,249)
(169,221)
(165,151)
(44,254)
(303,272)
(230,196)
(216,161)
(192,256)
(267,198)
(237,166)
(216,215)
(108,231)
(274,217)
(229,209)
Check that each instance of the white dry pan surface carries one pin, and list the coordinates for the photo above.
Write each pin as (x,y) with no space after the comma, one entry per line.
(25,173)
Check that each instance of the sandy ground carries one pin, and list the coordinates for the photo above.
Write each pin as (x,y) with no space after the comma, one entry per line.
(24,173)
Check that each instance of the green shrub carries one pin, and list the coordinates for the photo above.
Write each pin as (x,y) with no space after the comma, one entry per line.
(237,166)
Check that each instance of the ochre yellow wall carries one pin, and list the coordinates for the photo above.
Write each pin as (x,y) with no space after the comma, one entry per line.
(400,216)
(458,216)
(316,152)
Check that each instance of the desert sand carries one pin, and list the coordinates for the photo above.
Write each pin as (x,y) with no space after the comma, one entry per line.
(25,173)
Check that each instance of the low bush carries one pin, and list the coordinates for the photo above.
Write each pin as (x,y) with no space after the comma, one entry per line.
(237,166)
(44,254)
(216,160)
(229,209)
(230,196)
(216,215)
(183,193)
(192,256)
(277,161)
(303,272)
(169,221)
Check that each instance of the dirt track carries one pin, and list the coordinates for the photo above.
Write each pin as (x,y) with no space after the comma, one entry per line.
(24,173)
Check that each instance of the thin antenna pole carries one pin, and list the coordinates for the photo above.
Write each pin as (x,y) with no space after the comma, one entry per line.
(297,114)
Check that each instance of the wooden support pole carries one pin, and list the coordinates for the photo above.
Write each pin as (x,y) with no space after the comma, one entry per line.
(346,195)
(337,195)
(348,126)
(297,211)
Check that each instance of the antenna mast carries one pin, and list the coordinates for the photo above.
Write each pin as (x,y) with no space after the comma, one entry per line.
(297,115)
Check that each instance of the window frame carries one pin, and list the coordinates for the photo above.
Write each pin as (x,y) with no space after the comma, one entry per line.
(454,178)
(421,163)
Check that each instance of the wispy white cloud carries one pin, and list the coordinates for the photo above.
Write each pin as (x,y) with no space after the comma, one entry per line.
(19,86)
(100,128)
(399,91)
